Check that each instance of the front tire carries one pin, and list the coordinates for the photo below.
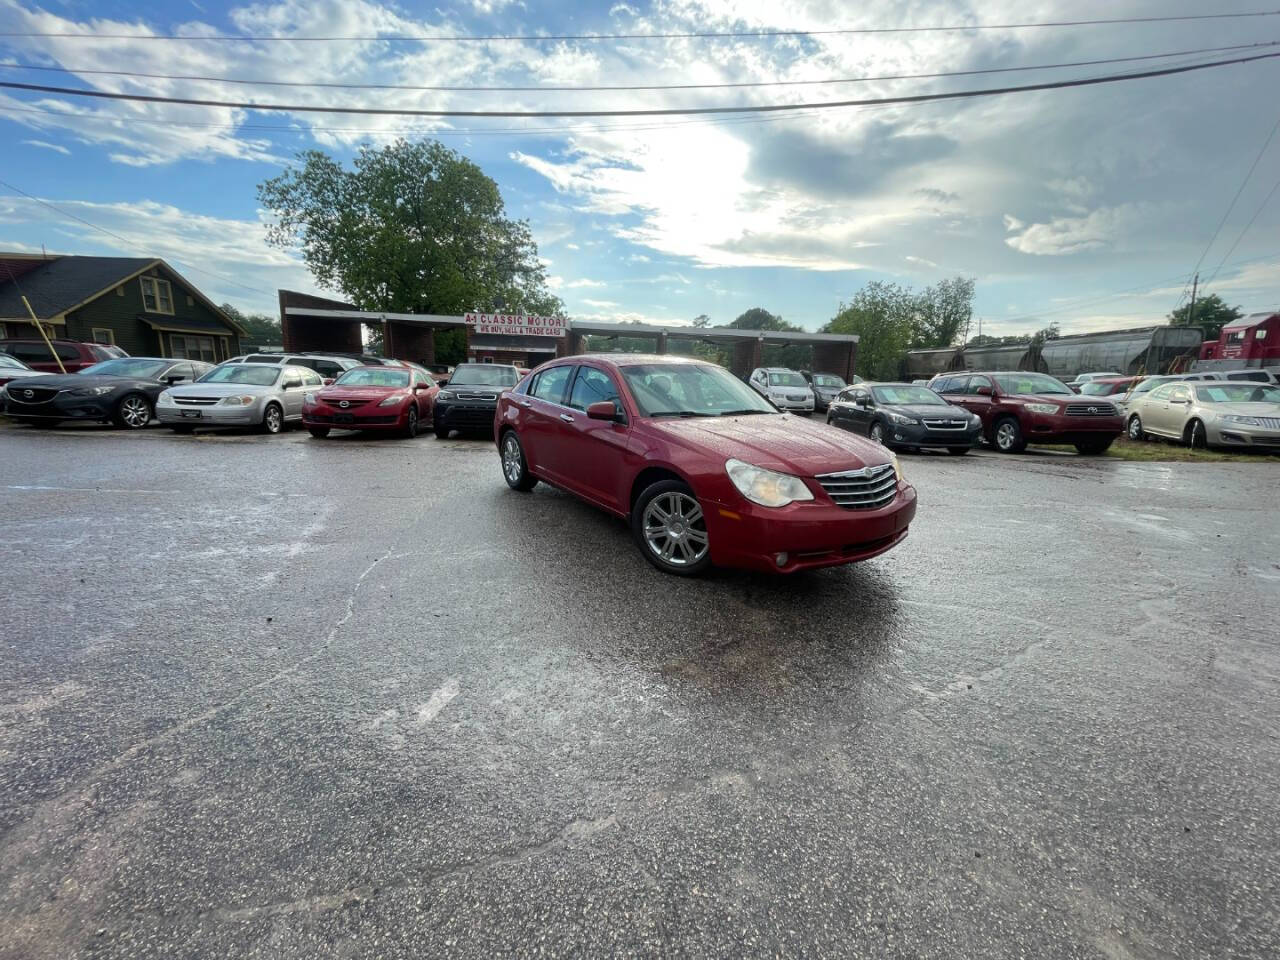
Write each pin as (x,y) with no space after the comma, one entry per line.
(182,428)
(668,524)
(441,431)
(957,451)
(1094,447)
(133,412)
(1007,437)
(1195,437)
(1134,429)
(515,469)
(318,432)
(272,419)
(411,422)
(876,433)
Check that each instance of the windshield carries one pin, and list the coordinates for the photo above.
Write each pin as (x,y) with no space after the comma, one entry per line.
(8,361)
(827,380)
(1238,393)
(787,379)
(1098,388)
(127,367)
(484,375)
(253,374)
(903,396)
(689,389)
(1151,383)
(373,377)
(1017,383)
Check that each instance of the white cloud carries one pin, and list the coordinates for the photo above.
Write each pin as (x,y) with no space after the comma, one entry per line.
(600,304)
(48,146)
(1063,236)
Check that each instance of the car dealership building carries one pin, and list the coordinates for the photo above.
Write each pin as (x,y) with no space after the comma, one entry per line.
(312,323)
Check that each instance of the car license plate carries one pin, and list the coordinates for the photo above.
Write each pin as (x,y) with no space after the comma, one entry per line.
(193,414)
(344,418)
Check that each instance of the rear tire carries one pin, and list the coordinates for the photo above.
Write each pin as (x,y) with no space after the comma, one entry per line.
(957,451)
(1094,447)
(318,432)
(1007,436)
(515,469)
(272,419)
(182,428)
(668,524)
(411,422)
(133,412)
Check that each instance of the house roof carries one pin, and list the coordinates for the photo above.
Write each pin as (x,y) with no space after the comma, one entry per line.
(60,283)
(57,284)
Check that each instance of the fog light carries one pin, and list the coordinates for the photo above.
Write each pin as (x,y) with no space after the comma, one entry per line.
(780,559)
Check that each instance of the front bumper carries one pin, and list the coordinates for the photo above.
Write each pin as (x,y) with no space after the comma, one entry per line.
(1050,429)
(1220,434)
(812,534)
(798,406)
(919,435)
(214,415)
(467,416)
(367,417)
(63,407)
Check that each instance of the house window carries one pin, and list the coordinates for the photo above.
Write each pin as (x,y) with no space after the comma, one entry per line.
(104,335)
(193,348)
(157,295)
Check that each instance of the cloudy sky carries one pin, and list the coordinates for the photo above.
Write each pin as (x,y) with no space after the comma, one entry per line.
(1090,206)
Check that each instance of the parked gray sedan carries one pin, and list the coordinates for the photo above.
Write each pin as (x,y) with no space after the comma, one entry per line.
(239,395)
(1209,414)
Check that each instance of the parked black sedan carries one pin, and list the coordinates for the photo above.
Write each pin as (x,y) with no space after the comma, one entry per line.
(122,391)
(905,415)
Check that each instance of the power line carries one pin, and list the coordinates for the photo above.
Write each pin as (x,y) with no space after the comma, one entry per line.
(693,35)
(1247,226)
(127,243)
(635,87)
(652,112)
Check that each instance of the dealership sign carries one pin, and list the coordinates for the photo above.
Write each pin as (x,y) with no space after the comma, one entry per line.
(515,324)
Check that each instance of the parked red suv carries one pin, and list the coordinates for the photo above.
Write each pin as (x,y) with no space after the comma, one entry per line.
(75,356)
(1018,408)
(706,469)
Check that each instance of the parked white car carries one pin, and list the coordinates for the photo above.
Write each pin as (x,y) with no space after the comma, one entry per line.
(329,367)
(260,395)
(1083,378)
(787,389)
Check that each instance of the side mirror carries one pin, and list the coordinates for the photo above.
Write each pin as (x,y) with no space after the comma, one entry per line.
(174,379)
(421,386)
(292,384)
(441,381)
(984,392)
(604,410)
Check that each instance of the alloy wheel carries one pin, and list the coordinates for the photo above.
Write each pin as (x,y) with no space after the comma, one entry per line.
(511,465)
(1135,428)
(877,433)
(675,529)
(272,420)
(1006,436)
(135,412)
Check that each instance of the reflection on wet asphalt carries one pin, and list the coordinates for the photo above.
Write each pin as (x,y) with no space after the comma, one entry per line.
(286,698)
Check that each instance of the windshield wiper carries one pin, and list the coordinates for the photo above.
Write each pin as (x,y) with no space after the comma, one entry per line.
(741,413)
(680,413)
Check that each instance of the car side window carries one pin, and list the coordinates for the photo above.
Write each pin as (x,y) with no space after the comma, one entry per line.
(1180,393)
(975,383)
(551,384)
(292,377)
(311,378)
(182,370)
(846,395)
(953,385)
(1162,392)
(593,386)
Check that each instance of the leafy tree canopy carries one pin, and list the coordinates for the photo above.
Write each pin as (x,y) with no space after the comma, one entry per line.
(1211,315)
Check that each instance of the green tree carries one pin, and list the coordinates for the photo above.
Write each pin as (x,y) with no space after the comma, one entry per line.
(414,227)
(262,329)
(1212,314)
(884,316)
(795,356)
(943,312)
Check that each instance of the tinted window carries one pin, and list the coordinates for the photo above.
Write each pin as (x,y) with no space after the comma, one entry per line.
(550,384)
(1258,376)
(975,383)
(68,352)
(593,386)
(312,379)
(486,375)
(263,358)
(326,368)
(951,385)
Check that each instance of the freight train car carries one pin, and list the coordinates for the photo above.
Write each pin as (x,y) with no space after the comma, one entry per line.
(1148,350)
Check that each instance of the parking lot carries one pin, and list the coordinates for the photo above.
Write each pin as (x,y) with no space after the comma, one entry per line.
(279,697)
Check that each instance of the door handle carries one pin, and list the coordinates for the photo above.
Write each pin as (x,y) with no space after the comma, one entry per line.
(523,403)
(566,418)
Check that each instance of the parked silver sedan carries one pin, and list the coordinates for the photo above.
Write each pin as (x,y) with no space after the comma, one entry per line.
(1209,414)
(239,395)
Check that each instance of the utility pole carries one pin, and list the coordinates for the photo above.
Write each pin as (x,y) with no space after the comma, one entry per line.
(1191,314)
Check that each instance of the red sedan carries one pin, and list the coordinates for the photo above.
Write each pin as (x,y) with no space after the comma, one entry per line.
(704,468)
(372,398)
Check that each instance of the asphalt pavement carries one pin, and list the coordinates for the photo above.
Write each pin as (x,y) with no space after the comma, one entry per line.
(279,697)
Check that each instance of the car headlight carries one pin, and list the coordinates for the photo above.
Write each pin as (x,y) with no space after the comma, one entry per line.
(91,391)
(1049,408)
(1243,421)
(899,418)
(766,487)
(394,399)
(443,395)
(243,401)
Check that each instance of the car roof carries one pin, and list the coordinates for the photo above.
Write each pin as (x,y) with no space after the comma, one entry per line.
(628,359)
(779,370)
(1115,379)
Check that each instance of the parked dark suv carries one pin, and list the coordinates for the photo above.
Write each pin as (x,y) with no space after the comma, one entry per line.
(75,356)
(470,399)
(1018,408)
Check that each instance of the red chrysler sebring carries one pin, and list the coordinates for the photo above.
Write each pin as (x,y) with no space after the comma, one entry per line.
(706,469)
(372,398)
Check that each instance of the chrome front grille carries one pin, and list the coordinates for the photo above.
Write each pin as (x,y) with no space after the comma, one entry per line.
(196,401)
(797,397)
(1270,423)
(867,489)
(477,396)
(31,394)
(1101,409)
(945,424)
(346,403)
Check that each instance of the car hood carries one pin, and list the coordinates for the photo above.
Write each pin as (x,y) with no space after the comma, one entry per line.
(788,444)
(218,390)
(359,393)
(930,410)
(1243,409)
(69,381)
(9,373)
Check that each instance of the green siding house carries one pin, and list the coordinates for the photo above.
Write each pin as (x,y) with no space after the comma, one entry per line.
(143,306)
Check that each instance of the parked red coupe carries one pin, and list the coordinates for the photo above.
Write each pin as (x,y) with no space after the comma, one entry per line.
(372,398)
(706,469)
